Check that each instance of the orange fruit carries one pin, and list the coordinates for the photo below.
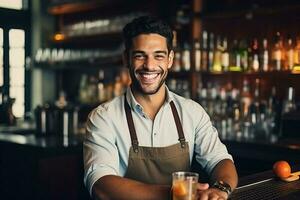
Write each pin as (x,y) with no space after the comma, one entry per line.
(282,169)
(179,188)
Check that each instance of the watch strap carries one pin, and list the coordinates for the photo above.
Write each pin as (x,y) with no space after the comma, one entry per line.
(223,186)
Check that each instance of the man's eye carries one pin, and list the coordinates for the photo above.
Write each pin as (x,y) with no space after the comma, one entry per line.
(138,56)
(160,57)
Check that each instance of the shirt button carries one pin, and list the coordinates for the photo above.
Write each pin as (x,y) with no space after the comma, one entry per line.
(155,134)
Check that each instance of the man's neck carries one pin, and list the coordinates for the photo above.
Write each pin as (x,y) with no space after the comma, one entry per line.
(151,103)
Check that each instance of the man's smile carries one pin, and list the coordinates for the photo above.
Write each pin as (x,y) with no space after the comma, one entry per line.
(148,77)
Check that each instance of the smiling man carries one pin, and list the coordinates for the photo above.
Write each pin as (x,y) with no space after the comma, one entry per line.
(136,141)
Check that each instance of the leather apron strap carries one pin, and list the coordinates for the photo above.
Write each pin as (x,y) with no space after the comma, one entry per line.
(133,136)
(178,124)
(134,140)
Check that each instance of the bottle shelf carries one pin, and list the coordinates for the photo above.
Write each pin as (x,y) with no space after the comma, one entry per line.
(184,74)
(254,10)
(263,73)
(180,74)
(106,6)
(71,8)
(115,61)
(107,37)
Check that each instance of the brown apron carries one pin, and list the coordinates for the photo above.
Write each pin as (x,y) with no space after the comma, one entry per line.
(155,165)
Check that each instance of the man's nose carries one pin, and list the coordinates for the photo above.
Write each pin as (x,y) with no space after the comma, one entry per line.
(149,63)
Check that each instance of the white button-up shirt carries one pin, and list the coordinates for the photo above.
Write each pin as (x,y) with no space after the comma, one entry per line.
(107,142)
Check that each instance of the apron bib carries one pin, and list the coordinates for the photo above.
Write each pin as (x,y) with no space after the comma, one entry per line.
(155,165)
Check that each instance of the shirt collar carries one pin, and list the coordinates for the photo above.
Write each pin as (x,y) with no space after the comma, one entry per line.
(132,101)
(138,107)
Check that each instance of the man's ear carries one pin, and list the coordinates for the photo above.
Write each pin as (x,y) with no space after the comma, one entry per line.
(170,59)
(125,58)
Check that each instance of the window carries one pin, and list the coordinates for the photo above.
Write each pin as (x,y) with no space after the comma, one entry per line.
(17,69)
(1,63)
(14,48)
(12,4)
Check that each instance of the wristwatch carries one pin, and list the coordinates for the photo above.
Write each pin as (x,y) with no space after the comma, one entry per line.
(221,185)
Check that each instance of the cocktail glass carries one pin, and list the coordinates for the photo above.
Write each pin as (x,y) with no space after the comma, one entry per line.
(184,185)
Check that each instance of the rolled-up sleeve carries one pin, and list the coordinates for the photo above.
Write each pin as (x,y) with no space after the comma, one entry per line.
(100,153)
(208,147)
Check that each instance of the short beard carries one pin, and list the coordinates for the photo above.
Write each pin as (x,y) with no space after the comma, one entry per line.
(137,86)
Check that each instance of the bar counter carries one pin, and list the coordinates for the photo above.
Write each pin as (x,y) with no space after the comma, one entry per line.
(51,167)
(266,186)
(34,167)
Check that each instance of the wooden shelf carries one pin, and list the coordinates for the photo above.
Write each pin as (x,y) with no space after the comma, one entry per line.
(115,61)
(229,73)
(79,7)
(250,13)
(106,6)
(109,37)
(264,73)
(180,74)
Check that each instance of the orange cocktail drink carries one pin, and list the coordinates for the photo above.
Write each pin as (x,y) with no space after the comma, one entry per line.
(184,185)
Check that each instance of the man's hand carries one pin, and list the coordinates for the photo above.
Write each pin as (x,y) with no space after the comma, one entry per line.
(206,193)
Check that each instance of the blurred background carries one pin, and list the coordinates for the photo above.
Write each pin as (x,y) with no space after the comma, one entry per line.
(59,59)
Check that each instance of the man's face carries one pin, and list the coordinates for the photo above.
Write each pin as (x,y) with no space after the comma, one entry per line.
(149,61)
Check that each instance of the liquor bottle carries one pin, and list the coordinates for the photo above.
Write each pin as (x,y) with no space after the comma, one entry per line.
(296,68)
(245,98)
(254,65)
(83,89)
(256,99)
(235,57)
(223,114)
(253,121)
(217,57)
(289,60)
(211,49)
(118,87)
(237,120)
(101,87)
(177,54)
(277,53)
(204,51)
(197,56)
(217,108)
(203,98)
(289,104)
(297,52)
(244,54)
(186,57)
(264,56)
(211,96)
(273,113)
(225,56)
(229,114)
(254,111)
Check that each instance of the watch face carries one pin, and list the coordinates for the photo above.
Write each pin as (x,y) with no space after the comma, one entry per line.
(221,185)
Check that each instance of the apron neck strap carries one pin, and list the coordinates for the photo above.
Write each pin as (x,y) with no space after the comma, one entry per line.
(133,136)
(134,140)
(178,124)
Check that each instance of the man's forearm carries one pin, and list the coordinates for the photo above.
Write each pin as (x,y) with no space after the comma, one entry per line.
(114,187)
(225,171)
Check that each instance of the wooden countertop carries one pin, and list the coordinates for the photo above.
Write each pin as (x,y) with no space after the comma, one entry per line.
(265,185)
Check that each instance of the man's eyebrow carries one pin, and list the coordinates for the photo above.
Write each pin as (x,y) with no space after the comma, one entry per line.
(138,51)
(164,52)
(156,52)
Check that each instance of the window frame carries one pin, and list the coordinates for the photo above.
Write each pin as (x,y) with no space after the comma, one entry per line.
(16,19)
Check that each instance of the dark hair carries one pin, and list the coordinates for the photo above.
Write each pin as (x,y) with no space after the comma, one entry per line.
(147,25)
